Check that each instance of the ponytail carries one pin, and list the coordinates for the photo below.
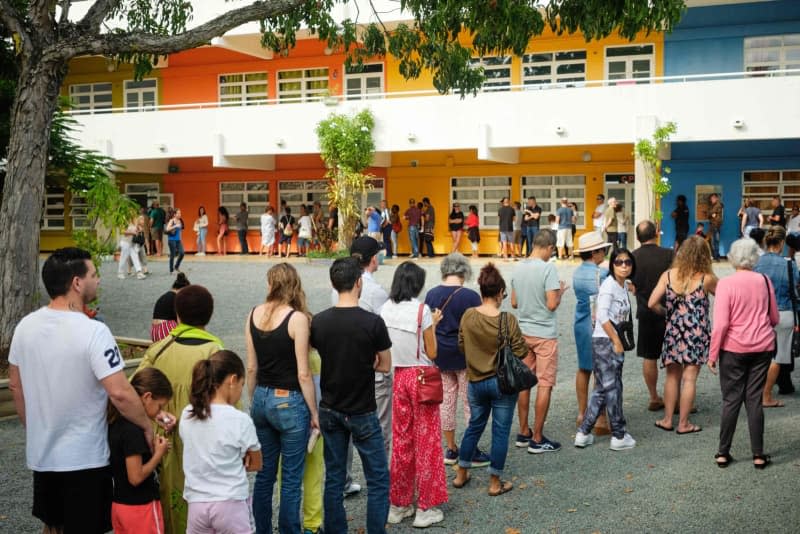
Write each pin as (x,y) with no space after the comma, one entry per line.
(148,380)
(207,376)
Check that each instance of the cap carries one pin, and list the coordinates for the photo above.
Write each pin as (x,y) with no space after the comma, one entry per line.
(365,247)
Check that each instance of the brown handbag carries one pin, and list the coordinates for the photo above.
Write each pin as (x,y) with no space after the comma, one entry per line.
(429,378)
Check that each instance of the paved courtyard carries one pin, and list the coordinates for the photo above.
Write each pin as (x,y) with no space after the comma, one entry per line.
(668,483)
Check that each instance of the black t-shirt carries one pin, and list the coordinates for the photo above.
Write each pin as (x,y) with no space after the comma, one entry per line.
(780,211)
(506,215)
(347,340)
(531,223)
(459,217)
(682,221)
(651,262)
(126,439)
(165,307)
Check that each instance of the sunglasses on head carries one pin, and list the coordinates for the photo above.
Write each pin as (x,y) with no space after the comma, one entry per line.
(626,262)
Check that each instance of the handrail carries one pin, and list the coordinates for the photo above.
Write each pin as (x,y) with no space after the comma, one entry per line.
(336,99)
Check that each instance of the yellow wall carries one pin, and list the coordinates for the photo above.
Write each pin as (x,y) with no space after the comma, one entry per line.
(94,69)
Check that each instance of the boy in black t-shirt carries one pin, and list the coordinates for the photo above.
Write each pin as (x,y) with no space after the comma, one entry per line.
(352,343)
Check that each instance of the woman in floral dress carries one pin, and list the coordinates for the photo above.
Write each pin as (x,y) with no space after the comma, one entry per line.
(688,335)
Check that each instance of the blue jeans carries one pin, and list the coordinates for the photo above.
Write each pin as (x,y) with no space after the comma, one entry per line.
(201,239)
(282,425)
(607,394)
(622,240)
(530,235)
(386,231)
(413,236)
(715,243)
(484,399)
(365,429)
(175,250)
(243,241)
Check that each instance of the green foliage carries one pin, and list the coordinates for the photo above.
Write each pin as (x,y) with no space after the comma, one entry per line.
(648,151)
(327,253)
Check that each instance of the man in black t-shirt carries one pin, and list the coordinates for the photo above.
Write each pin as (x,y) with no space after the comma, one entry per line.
(778,216)
(681,216)
(531,217)
(352,343)
(506,216)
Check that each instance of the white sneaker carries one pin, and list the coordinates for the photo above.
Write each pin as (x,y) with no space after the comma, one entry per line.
(426,518)
(352,489)
(398,513)
(627,442)
(583,440)
(141,276)
(121,276)
(200,254)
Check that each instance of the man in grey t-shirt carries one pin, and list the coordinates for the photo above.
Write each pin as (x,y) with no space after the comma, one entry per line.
(241,223)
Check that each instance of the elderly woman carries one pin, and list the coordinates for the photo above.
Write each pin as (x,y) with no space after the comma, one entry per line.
(774,266)
(175,356)
(453,299)
(743,341)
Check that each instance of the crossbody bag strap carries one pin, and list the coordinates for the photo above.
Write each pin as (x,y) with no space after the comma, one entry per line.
(453,294)
(769,294)
(172,340)
(628,296)
(792,289)
(419,326)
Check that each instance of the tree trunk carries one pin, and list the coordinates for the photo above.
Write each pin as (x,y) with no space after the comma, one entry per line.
(36,99)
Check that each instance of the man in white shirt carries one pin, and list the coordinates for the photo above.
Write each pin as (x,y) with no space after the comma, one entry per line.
(599,212)
(64,368)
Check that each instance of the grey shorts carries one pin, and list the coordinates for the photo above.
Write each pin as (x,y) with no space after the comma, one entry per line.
(506,237)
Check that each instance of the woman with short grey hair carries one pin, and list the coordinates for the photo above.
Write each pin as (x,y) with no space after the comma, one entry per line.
(743,341)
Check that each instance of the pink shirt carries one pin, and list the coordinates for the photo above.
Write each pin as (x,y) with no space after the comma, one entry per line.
(742,321)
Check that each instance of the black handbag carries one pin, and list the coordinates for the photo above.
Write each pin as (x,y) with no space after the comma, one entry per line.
(513,376)
(795,347)
(625,328)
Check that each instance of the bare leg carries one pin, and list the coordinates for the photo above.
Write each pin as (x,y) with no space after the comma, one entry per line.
(687,396)
(541,408)
(772,377)
(450,438)
(582,392)
(650,374)
(523,408)
(671,390)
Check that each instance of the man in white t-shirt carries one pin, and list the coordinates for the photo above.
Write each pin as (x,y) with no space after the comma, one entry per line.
(599,212)
(64,368)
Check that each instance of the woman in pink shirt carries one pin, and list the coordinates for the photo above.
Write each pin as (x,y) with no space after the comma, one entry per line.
(743,341)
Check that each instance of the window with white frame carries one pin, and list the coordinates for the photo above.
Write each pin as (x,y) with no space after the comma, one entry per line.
(771,52)
(143,193)
(302,85)
(141,95)
(297,192)
(254,194)
(79,213)
(761,186)
(629,62)
(485,192)
(91,97)
(568,67)
(549,190)
(53,214)
(496,69)
(364,82)
(243,88)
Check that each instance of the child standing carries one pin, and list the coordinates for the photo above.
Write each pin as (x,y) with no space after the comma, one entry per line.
(136,508)
(219,446)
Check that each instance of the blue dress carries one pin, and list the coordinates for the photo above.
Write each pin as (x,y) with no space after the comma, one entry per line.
(586,283)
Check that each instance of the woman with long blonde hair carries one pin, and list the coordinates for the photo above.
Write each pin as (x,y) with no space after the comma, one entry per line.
(687,338)
(282,397)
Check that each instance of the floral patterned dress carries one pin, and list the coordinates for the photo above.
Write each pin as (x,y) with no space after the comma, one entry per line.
(688,334)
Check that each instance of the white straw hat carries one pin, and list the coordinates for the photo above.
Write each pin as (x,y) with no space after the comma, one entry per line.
(591,241)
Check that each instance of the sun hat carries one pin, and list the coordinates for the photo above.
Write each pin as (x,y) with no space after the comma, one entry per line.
(591,241)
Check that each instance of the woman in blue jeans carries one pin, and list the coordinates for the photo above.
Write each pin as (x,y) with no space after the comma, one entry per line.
(478,341)
(174,229)
(283,399)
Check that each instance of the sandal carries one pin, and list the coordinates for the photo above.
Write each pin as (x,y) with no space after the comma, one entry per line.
(662,427)
(505,487)
(766,460)
(466,481)
(727,457)
(692,430)
(775,404)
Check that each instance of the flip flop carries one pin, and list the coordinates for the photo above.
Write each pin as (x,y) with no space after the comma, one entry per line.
(663,427)
(505,487)
(466,481)
(692,430)
(777,404)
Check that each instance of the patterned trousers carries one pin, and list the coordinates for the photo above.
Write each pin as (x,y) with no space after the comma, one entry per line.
(607,394)
(455,388)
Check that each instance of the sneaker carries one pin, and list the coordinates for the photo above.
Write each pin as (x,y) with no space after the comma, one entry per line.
(480,459)
(627,442)
(523,440)
(200,254)
(352,489)
(546,445)
(398,513)
(121,276)
(394,257)
(426,518)
(583,440)
(451,457)
(141,276)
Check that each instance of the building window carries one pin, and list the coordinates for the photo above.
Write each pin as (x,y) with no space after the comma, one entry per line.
(302,85)
(554,67)
(91,97)
(143,194)
(79,213)
(549,190)
(629,63)
(141,95)
(761,186)
(53,214)
(485,192)
(297,192)
(242,89)
(770,53)
(362,83)
(497,70)
(254,194)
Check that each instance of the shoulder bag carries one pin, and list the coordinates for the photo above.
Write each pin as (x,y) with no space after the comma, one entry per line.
(625,328)
(429,378)
(795,347)
(513,376)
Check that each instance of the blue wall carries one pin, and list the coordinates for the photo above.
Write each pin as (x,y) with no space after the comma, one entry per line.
(711,39)
(722,163)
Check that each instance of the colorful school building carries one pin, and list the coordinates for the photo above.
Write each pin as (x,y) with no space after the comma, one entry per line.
(231,122)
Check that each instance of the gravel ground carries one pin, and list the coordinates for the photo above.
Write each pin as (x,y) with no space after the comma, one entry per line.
(667,483)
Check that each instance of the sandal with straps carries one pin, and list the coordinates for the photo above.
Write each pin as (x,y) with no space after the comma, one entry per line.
(766,460)
(727,457)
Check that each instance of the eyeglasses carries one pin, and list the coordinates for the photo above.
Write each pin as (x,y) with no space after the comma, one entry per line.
(626,262)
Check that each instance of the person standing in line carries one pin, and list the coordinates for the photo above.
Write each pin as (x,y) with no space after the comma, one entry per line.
(304,232)
(536,292)
(242,227)
(532,216)
(473,230)
(164,316)
(374,220)
(613,307)
(222,223)
(66,433)
(681,217)
(651,262)
(573,228)
(518,230)
(413,216)
(566,218)
(268,225)
(610,222)
(622,226)
(793,231)
(397,227)
(333,220)
(201,229)
(716,215)
(127,252)
(778,217)
(386,229)
(751,218)
(743,341)
(174,230)
(506,216)
(429,223)
(453,299)
(287,226)
(148,240)
(456,225)
(688,333)
(158,217)
(597,214)
(353,344)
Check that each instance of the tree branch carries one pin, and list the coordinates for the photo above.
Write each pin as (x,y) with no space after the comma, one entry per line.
(12,20)
(41,13)
(65,5)
(97,14)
